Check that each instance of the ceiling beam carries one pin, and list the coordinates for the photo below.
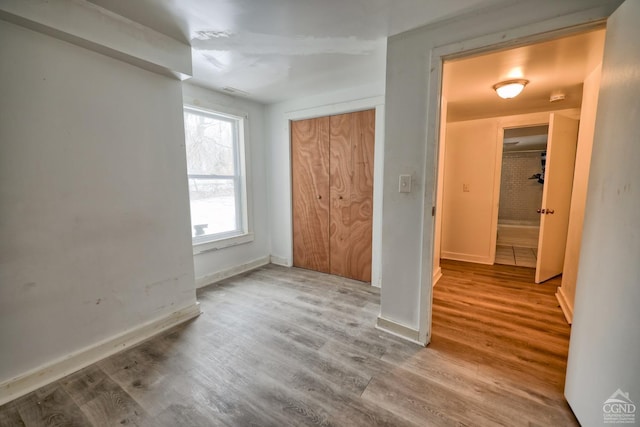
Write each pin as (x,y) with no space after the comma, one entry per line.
(92,27)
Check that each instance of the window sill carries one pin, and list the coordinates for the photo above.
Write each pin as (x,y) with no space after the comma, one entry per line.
(200,248)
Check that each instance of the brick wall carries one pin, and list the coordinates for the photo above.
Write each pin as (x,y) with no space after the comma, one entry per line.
(520,196)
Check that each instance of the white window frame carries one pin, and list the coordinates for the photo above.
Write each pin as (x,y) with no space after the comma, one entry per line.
(243,209)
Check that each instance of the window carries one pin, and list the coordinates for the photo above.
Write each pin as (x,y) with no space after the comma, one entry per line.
(215,164)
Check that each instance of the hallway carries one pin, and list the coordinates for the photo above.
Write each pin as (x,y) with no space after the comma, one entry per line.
(497,321)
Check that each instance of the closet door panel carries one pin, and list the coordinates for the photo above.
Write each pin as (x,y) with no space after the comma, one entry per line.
(340,189)
(310,193)
(361,215)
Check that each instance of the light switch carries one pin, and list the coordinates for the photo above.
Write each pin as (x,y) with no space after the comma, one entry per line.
(405,184)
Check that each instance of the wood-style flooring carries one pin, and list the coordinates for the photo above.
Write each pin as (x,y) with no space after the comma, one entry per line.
(289,347)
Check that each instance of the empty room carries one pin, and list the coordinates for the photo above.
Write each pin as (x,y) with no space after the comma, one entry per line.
(281,212)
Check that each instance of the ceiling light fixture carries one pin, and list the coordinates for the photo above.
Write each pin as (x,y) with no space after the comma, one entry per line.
(510,88)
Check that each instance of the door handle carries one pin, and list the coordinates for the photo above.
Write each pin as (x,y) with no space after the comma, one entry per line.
(550,211)
(546,211)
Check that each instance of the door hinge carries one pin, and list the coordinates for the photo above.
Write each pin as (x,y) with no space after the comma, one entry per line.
(433,211)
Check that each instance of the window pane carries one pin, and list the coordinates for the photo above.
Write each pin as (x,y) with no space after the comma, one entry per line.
(213,206)
(214,180)
(210,149)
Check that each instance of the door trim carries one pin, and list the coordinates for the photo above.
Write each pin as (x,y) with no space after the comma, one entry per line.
(376,103)
(527,34)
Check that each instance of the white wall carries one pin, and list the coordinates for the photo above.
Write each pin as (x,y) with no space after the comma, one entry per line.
(604,353)
(467,216)
(93,199)
(84,24)
(216,264)
(412,102)
(279,162)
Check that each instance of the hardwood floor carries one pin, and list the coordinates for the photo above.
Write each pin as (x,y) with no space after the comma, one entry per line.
(280,347)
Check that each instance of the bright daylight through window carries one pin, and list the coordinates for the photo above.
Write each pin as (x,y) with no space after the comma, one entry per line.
(214,167)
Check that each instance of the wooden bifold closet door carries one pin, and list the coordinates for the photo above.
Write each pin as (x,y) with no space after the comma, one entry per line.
(310,196)
(332,177)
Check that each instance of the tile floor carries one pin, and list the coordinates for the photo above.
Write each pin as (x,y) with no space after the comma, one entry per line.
(517,246)
(515,255)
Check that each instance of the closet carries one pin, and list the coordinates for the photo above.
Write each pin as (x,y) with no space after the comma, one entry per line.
(332,193)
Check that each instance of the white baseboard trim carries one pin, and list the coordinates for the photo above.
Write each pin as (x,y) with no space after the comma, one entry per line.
(50,372)
(436,275)
(401,331)
(517,226)
(466,258)
(210,279)
(564,305)
(277,260)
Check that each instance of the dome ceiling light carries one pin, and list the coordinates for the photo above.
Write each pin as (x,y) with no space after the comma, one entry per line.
(510,88)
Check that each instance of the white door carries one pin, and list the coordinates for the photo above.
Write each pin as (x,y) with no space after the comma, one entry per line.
(603,370)
(556,196)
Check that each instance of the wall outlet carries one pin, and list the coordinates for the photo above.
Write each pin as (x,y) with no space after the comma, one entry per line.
(465,188)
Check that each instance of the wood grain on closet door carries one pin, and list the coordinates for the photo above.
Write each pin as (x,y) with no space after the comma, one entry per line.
(362,145)
(340,190)
(310,193)
(351,182)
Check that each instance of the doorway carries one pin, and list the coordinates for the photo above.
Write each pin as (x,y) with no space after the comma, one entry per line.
(607,278)
(285,244)
(523,167)
(482,134)
(332,193)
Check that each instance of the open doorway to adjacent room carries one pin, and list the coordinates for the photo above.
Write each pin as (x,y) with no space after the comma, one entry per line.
(503,197)
(524,152)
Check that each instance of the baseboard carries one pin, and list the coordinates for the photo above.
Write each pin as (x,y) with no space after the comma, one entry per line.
(53,371)
(230,272)
(564,305)
(436,275)
(466,258)
(277,260)
(401,331)
(515,225)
